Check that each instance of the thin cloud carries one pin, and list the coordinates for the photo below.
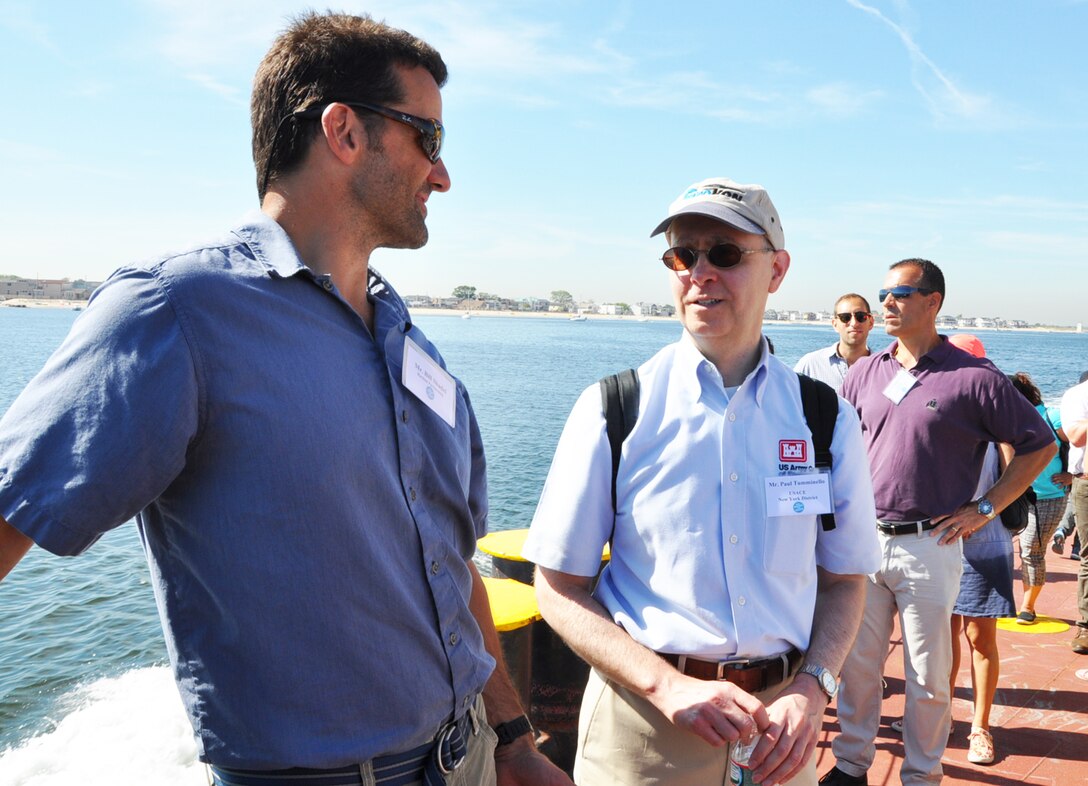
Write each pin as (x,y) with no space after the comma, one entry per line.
(840,99)
(940,93)
(213,85)
(19,19)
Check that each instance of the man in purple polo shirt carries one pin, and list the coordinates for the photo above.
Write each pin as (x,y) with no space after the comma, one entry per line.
(928,411)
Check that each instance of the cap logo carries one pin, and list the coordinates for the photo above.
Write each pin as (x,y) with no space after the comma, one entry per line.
(718,191)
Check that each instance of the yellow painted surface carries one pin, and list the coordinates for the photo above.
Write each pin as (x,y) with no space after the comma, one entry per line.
(513,604)
(508,543)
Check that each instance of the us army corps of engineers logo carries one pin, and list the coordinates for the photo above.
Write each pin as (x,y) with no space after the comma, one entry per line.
(791,453)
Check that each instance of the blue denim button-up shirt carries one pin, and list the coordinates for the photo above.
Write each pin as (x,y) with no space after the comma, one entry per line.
(307,518)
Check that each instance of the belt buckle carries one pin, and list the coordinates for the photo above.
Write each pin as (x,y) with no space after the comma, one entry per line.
(442,741)
(738,664)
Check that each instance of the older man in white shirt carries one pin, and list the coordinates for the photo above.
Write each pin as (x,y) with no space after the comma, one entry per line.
(721,584)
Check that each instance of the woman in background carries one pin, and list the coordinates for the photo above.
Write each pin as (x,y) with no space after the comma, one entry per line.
(986,594)
(1051,489)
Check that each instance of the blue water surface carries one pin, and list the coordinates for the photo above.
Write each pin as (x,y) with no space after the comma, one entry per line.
(64,622)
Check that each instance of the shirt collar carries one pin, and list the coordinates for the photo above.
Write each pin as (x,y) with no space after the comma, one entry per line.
(691,364)
(273,249)
(270,245)
(936,356)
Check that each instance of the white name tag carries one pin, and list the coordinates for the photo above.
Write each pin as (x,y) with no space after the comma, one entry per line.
(798,495)
(431,383)
(899,386)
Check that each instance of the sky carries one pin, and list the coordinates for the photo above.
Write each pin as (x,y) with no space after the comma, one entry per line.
(882,129)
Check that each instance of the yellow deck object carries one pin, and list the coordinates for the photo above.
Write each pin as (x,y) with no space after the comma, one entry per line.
(507,544)
(513,604)
(1042,624)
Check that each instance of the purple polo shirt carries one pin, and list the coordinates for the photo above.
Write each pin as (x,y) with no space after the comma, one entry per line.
(926,452)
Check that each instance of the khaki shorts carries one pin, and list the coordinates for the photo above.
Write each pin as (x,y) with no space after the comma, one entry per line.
(623,739)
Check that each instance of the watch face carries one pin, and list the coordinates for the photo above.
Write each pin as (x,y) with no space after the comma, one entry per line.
(985,507)
(829,684)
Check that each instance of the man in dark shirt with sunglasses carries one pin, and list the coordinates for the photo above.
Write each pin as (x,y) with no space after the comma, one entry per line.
(308,479)
(726,609)
(852,320)
(928,413)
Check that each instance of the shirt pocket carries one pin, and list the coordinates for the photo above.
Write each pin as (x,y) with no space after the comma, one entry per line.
(789,544)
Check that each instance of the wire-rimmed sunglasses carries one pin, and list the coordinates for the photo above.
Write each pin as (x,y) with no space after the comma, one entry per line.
(858,316)
(723,255)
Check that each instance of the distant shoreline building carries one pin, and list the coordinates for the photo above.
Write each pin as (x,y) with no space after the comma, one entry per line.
(46,288)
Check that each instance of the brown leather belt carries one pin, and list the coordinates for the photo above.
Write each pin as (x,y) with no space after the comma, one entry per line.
(751,676)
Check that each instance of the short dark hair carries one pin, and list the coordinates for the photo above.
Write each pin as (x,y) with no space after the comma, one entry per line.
(932,277)
(852,296)
(322,58)
(1022,382)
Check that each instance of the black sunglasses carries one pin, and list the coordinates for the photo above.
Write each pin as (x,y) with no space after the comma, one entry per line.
(722,255)
(431,132)
(903,292)
(859,316)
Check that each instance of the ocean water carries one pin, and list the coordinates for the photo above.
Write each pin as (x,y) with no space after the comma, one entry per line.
(85,696)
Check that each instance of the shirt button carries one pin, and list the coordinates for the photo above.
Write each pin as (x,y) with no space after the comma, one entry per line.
(327,284)
(733,538)
(434,567)
(404,416)
(732,416)
(733,476)
(412,494)
(741,601)
(454,638)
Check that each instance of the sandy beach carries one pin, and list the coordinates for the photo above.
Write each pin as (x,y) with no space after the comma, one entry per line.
(23,302)
(27,302)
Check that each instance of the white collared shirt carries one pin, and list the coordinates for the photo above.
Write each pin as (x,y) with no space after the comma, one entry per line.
(1074,407)
(826,365)
(698,568)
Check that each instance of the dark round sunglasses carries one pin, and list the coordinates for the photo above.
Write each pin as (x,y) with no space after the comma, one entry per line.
(724,255)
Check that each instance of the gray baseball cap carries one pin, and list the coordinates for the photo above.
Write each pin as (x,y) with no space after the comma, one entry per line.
(746,207)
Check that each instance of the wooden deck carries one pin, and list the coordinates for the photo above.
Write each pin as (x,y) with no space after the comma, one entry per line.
(1040,716)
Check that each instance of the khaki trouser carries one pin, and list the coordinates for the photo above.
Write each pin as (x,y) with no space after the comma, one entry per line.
(1080,508)
(919,580)
(623,740)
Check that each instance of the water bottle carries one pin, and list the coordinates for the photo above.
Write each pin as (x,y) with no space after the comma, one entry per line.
(739,772)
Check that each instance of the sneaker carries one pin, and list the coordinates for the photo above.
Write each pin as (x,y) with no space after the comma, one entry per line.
(836,777)
(982,747)
(1026,617)
(1058,544)
(1080,641)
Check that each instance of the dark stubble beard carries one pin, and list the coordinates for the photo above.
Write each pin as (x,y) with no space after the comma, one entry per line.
(396,220)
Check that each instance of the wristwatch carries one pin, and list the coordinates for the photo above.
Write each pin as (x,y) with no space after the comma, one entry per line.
(828,683)
(986,508)
(512,729)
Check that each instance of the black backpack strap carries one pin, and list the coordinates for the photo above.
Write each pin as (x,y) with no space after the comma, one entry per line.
(821,407)
(619,400)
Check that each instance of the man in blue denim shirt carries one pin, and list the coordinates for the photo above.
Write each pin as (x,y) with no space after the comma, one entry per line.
(308,479)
